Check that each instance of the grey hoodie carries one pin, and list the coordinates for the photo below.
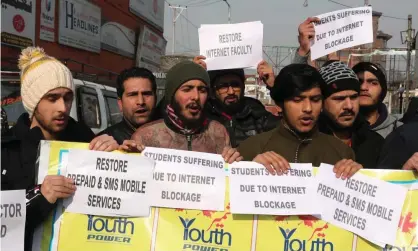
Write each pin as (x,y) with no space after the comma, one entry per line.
(386,123)
(298,59)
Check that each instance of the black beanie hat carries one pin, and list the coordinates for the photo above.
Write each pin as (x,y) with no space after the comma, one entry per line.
(215,74)
(180,74)
(339,77)
(294,79)
(375,70)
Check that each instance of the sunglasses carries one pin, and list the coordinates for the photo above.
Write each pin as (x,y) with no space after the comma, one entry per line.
(224,87)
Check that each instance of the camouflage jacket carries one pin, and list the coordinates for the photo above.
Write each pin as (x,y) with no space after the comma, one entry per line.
(211,139)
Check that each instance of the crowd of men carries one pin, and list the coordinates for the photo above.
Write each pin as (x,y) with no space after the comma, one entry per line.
(332,115)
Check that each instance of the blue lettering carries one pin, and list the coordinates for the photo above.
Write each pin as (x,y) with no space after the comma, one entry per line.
(217,236)
(302,245)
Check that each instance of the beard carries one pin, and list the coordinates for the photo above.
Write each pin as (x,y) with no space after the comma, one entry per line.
(189,123)
(44,125)
(366,110)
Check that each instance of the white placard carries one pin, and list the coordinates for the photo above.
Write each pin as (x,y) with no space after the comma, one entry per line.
(47,26)
(363,205)
(414,186)
(13,218)
(151,47)
(18,23)
(151,10)
(79,25)
(342,29)
(253,190)
(229,46)
(188,187)
(109,183)
(196,174)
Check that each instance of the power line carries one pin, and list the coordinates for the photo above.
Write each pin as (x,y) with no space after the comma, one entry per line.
(399,18)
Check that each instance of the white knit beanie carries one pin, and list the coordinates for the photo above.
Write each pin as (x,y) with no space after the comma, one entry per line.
(39,74)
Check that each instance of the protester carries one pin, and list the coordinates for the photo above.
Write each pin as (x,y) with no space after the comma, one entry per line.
(401,149)
(242,116)
(306,35)
(372,93)
(185,125)
(341,118)
(411,114)
(137,93)
(47,91)
(297,139)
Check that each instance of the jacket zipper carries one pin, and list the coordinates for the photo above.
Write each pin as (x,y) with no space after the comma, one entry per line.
(189,142)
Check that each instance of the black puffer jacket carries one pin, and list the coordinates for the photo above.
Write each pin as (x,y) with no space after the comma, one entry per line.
(365,143)
(251,120)
(19,153)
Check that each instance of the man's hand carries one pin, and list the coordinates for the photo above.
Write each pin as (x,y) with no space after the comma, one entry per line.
(231,155)
(273,162)
(57,187)
(104,143)
(306,34)
(412,163)
(346,168)
(199,60)
(265,71)
(131,146)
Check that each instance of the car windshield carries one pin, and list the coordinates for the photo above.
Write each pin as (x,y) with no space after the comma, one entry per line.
(11,101)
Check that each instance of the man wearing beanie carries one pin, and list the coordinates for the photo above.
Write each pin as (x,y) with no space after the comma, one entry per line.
(373,91)
(242,116)
(340,116)
(297,138)
(47,95)
(185,125)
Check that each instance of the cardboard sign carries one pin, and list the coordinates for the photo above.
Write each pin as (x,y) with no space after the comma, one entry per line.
(13,218)
(366,206)
(342,29)
(107,183)
(229,46)
(255,191)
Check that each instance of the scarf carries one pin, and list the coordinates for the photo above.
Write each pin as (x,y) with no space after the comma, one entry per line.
(179,124)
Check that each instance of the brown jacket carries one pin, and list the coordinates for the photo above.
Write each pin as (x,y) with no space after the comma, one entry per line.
(212,139)
(319,148)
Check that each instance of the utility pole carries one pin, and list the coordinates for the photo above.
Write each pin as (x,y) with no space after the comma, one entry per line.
(229,11)
(415,85)
(366,2)
(409,41)
(175,17)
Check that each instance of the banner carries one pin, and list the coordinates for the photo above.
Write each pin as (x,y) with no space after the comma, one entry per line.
(47,27)
(228,46)
(79,25)
(151,47)
(13,218)
(18,23)
(342,29)
(118,38)
(151,10)
(179,229)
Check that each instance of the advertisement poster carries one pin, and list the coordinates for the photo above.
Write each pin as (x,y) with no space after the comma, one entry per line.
(151,10)
(47,26)
(151,47)
(18,23)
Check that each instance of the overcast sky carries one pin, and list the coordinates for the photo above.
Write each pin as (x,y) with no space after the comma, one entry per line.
(280,18)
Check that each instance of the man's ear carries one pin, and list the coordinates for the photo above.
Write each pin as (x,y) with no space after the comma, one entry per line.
(120,104)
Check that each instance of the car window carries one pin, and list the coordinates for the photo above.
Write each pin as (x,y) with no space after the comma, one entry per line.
(115,115)
(89,107)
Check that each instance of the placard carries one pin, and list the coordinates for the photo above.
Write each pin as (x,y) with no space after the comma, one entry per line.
(366,206)
(255,191)
(229,46)
(13,218)
(342,29)
(107,183)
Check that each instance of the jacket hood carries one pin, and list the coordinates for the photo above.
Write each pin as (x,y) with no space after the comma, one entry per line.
(385,120)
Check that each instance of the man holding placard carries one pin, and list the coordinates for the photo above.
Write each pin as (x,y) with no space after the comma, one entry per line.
(297,139)
(242,116)
(185,125)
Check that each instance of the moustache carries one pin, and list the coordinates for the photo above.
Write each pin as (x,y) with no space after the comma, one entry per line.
(347,113)
(194,106)
(364,93)
(231,96)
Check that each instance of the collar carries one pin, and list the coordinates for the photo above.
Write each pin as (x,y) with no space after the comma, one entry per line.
(383,115)
(128,125)
(286,131)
